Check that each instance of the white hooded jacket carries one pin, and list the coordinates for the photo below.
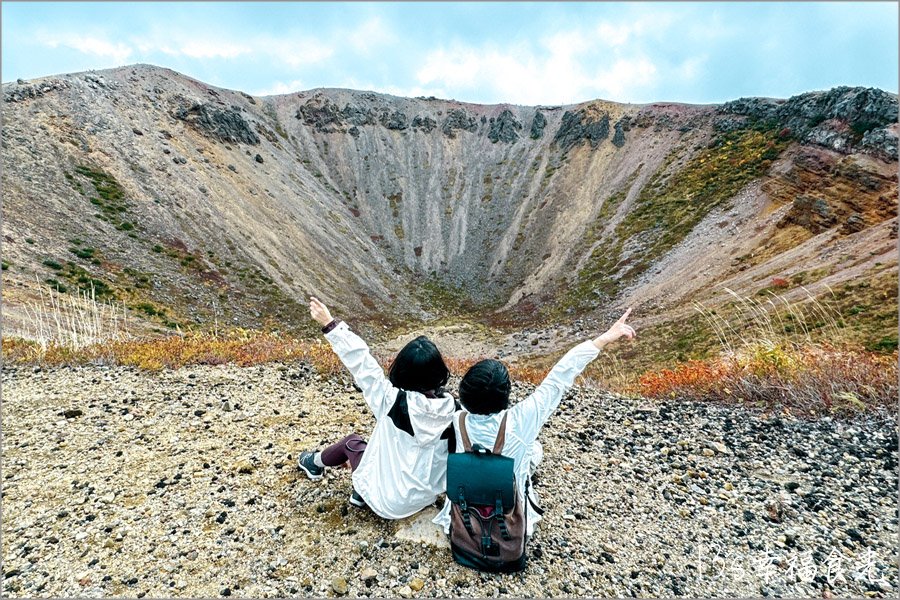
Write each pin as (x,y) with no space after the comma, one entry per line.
(400,472)
(524,423)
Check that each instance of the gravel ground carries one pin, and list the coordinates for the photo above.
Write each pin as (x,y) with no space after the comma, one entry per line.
(183,483)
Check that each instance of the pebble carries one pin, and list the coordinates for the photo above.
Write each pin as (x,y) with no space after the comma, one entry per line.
(368,574)
(416,584)
(339,585)
(405,592)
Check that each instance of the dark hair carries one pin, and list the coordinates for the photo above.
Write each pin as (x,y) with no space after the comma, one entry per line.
(484,389)
(419,367)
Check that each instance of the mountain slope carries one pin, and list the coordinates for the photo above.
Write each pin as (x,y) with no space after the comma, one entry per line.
(211,205)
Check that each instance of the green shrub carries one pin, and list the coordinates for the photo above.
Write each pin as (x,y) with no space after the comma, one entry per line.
(53,264)
(85,253)
(861,127)
(148,308)
(886,344)
(29,241)
(57,285)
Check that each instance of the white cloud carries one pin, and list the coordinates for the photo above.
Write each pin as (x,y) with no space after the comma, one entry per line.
(613,35)
(295,52)
(370,35)
(212,49)
(290,50)
(119,52)
(690,68)
(279,87)
(571,69)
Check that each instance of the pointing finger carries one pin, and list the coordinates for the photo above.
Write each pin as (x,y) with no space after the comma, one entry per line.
(625,316)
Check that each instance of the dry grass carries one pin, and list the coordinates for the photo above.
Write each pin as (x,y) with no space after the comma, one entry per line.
(775,353)
(74,321)
(240,347)
(778,353)
(805,380)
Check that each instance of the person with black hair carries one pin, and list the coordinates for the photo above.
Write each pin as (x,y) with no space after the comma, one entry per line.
(484,395)
(403,467)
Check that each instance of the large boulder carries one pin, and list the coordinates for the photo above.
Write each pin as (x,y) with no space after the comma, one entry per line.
(504,128)
(577,127)
(458,120)
(227,125)
(537,125)
(843,118)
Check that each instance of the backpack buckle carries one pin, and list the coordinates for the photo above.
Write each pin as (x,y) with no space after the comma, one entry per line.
(479,449)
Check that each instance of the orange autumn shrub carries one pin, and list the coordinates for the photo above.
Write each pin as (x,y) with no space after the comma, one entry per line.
(810,379)
(240,347)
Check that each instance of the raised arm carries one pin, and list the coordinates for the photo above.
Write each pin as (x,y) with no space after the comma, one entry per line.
(534,411)
(354,353)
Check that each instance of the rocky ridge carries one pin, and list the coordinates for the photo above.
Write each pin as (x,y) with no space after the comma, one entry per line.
(229,208)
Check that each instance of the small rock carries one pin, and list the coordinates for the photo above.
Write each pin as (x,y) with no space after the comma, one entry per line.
(72,413)
(227,407)
(225,592)
(368,574)
(339,585)
(405,592)
(416,584)
(259,159)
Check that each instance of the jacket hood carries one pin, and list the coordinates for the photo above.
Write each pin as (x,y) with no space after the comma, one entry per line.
(429,416)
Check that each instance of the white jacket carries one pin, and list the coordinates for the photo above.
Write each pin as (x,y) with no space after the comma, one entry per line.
(523,425)
(399,474)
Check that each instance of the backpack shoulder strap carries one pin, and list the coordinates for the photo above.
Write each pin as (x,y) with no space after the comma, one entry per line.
(501,436)
(467,445)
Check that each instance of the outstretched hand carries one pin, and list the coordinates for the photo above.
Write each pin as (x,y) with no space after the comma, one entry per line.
(619,329)
(319,311)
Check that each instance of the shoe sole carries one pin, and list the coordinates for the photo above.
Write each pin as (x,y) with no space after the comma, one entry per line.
(357,503)
(308,473)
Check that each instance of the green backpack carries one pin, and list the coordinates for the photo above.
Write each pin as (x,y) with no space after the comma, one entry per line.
(487,520)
